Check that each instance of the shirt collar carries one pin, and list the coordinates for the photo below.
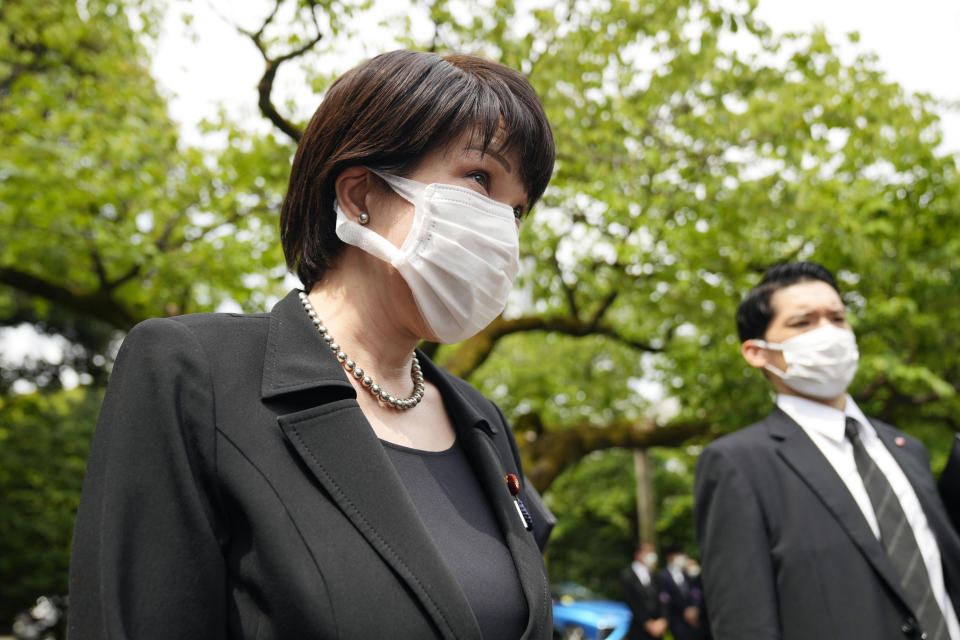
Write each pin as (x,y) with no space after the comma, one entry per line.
(820,418)
(641,570)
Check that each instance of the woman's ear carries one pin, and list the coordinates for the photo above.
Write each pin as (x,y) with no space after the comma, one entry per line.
(754,354)
(352,188)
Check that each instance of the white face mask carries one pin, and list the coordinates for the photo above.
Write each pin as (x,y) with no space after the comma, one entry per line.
(459,259)
(650,560)
(820,363)
(679,562)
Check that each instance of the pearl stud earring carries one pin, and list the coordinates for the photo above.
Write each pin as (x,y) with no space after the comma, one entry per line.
(363,218)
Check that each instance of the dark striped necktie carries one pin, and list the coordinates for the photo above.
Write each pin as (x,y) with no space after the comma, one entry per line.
(898,540)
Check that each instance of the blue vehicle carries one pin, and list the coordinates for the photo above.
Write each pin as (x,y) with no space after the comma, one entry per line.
(581,614)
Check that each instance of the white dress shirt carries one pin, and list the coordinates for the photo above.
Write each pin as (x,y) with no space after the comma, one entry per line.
(643,574)
(826,427)
(677,575)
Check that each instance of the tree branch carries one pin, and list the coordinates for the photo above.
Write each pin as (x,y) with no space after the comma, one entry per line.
(258,36)
(474,352)
(567,290)
(267,108)
(131,273)
(98,304)
(98,265)
(554,450)
(272,65)
(602,309)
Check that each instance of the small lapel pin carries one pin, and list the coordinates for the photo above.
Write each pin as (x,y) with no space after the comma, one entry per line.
(513,484)
(900,441)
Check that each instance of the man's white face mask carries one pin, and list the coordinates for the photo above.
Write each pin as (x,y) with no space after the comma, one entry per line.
(820,363)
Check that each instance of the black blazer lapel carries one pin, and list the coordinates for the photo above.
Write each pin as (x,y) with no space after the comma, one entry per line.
(476,431)
(803,456)
(337,445)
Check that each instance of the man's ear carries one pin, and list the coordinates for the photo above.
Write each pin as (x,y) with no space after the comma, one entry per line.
(352,188)
(754,354)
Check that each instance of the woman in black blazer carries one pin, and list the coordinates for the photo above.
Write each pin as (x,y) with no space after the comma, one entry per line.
(305,473)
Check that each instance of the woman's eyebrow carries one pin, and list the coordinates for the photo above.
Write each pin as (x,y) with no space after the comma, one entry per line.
(493,154)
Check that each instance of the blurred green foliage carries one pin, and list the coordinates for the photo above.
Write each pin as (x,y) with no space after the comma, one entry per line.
(44,439)
(596,508)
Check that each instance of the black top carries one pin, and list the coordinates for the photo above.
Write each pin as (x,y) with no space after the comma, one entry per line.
(457,514)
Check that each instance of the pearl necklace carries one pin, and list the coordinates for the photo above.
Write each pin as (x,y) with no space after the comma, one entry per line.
(376,390)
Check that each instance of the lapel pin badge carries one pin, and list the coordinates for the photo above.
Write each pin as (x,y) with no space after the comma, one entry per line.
(900,441)
(513,484)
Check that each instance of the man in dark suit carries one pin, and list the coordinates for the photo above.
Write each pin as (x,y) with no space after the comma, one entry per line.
(819,522)
(678,597)
(641,595)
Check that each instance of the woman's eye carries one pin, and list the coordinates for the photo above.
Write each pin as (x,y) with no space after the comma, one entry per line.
(482,179)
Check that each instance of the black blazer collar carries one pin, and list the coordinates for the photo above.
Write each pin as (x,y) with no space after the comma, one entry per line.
(296,358)
(338,446)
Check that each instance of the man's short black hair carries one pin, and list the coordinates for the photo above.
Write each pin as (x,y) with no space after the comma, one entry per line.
(755,313)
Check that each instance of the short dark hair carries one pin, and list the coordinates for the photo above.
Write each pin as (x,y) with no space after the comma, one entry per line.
(387,113)
(755,313)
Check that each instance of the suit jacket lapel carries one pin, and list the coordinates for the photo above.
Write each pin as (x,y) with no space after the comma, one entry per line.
(803,456)
(338,446)
(476,433)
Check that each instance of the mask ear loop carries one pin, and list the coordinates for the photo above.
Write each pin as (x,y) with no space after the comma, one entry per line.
(773,346)
(365,238)
(409,190)
(414,193)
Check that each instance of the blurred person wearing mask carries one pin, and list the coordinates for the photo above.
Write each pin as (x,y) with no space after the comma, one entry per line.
(641,595)
(819,522)
(680,601)
(693,572)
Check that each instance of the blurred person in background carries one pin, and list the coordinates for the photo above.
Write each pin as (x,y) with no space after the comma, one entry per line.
(642,596)
(308,472)
(677,594)
(819,522)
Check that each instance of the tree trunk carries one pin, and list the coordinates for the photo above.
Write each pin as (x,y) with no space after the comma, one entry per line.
(646,512)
